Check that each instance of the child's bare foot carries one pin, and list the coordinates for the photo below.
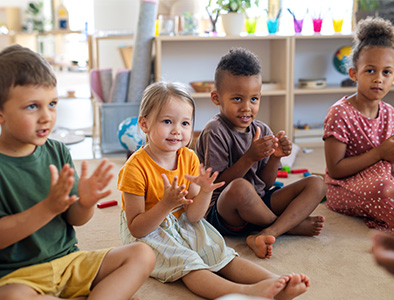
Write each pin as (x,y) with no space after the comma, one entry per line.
(267,288)
(261,244)
(383,250)
(311,226)
(297,285)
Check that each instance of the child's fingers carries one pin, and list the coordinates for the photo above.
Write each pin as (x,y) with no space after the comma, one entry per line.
(280,134)
(218,185)
(54,174)
(257,134)
(84,169)
(175,182)
(186,201)
(166,182)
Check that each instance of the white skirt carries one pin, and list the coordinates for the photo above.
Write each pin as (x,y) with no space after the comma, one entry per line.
(181,247)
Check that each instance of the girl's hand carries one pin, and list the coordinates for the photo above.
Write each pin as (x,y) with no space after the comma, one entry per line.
(174,195)
(284,145)
(205,180)
(261,147)
(90,189)
(386,150)
(58,200)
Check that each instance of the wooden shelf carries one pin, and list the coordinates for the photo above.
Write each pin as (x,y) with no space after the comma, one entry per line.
(284,59)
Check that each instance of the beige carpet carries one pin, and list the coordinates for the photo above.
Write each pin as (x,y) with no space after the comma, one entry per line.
(338,261)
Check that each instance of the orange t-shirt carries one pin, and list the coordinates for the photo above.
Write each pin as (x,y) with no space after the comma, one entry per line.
(141,176)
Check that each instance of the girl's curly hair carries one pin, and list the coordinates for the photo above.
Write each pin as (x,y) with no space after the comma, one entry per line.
(372,32)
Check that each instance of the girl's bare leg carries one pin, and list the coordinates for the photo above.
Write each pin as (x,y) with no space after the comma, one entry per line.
(209,285)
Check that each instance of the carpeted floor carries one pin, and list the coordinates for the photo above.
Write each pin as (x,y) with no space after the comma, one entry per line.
(339,261)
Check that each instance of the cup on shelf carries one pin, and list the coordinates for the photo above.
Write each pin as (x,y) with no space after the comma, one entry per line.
(337,23)
(298,25)
(272,25)
(250,24)
(317,23)
(168,25)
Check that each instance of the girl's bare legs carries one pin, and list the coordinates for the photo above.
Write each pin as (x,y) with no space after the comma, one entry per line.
(243,277)
(293,204)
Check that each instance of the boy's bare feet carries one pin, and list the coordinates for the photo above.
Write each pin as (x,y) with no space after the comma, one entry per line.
(297,285)
(261,244)
(311,226)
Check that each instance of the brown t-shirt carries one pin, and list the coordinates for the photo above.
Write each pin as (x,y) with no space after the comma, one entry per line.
(220,146)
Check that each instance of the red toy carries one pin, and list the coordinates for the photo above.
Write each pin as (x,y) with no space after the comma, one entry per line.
(282,174)
(297,171)
(107,204)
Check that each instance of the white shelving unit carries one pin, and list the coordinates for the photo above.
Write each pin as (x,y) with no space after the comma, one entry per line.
(284,59)
(312,57)
(193,58)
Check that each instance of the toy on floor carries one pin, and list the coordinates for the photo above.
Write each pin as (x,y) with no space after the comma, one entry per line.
(299,171)
(107,204)
(282,174)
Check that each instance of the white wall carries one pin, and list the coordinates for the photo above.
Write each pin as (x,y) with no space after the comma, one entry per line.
(115,16)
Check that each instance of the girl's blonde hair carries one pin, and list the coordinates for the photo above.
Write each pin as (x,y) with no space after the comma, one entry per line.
(372,32)
(159,93)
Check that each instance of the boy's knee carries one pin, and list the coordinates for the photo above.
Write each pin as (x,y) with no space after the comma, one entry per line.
(16,292)
(317,183)
(239,188)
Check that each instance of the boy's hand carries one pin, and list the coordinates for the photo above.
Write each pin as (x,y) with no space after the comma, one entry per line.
(174,195)
(205,180)
(58,200)
(90,189)
(261,147)
(284,145)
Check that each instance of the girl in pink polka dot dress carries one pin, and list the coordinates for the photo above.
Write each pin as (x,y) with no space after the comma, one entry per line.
(359,134)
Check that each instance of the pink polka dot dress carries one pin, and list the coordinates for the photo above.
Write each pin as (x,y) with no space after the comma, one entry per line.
(369,193)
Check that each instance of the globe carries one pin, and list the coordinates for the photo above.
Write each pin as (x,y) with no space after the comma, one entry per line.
(341,59)
(130,135)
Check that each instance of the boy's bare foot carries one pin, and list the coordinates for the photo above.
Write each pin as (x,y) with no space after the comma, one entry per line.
(297,285)
(311,226)
(268,288)
(261,244)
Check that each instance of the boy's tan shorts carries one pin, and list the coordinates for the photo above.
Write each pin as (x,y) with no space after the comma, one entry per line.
(67,277)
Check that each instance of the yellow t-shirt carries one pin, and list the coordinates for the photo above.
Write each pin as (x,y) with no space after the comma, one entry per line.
(141,175)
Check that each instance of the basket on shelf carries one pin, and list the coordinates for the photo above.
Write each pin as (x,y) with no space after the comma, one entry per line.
(202,86)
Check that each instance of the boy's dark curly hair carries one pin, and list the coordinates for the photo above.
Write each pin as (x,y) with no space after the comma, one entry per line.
(238,62)
(372,32)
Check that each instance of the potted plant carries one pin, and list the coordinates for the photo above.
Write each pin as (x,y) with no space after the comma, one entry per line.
(366,8)
(234,20)
(35,18)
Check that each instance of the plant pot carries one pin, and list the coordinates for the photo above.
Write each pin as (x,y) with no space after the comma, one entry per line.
(233,23)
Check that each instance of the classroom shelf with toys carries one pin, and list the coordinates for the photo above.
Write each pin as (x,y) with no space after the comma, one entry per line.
(194,58)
